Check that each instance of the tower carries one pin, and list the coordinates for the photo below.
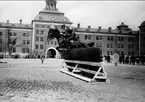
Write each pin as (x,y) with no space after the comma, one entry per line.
(51,4)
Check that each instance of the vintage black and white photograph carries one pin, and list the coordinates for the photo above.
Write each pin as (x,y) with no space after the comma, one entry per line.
(72,51)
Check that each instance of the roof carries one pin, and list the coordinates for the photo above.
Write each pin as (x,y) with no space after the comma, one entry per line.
(142,24)
(15,25)
(52,16)
(107,31)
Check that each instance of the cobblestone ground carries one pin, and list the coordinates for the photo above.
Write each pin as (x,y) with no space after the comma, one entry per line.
(27,80)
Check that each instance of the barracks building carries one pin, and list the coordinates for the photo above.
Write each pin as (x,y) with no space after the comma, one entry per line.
(32,38)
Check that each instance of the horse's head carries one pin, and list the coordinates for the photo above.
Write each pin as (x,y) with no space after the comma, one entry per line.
(53,33)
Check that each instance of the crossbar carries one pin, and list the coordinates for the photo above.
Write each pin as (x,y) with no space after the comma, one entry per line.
(99,73)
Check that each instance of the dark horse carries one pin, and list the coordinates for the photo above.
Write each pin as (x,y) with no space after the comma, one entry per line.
(76,50)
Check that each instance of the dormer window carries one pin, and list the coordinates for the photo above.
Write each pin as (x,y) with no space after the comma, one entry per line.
(52,18)
(40,18)
(13,25)
(26,26)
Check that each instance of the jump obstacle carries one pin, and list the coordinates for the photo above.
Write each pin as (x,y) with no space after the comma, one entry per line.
(87,71)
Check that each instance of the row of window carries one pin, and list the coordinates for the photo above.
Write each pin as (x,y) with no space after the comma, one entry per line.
(87,37)
(109,45)
(40,32)
(25,34)
(98,45)
(119,52)
(120,46)
(98,37)
(37,46)
(41,38)
(26,42)
(52,42)
(25,50)
(131,39)
(110,38)
(130,46)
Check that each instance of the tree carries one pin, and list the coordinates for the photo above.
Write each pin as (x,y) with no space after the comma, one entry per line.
(11,42)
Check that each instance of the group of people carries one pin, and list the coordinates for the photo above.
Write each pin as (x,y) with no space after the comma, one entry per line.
(125,59)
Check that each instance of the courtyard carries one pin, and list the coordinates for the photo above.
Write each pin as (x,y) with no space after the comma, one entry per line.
(27,80)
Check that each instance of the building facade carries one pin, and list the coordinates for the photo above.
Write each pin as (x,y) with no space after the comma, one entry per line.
(32,38)
(22,33)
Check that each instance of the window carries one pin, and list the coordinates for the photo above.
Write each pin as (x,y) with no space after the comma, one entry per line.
(100,45)
(0,34)
(111,38)
(15,34)
(23,50)
(122,46)
(28,41)
(55,42)
(111,46)
(100,37)
(41,39)
(129,39)
(37,31)
(41,46)
(27,34)
(27,50)
(107,52)
(107,45)
(89,37)
(129,46)
(122,39)
(51,42)
(132,46)
(24,34)
(37,38)
(24,42)
(36,46)
(108,38)
(111,52)
(97,38)
(0,41)
(0,49)
(14,49)
(42,32)
(86,37)
(118,45)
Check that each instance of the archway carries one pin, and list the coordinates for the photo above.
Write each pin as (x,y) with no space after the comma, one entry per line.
(51,52)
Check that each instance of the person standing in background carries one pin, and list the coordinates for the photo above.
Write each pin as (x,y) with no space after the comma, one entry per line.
(115,58)
(42,59)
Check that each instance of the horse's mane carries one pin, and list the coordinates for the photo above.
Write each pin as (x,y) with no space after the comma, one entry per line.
(53,33)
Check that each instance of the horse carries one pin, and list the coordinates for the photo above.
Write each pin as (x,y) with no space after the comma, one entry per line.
(80,51)
(67,40)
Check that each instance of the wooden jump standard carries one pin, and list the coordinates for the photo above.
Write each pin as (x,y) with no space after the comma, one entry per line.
(87,71)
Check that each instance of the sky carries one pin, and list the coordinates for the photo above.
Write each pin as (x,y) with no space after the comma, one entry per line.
(87,13)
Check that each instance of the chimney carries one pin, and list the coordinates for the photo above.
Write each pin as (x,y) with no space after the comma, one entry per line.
(7,21)
(78,26)
(99,27)
(89,27)
(109,28)
(20,21)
